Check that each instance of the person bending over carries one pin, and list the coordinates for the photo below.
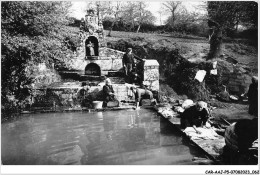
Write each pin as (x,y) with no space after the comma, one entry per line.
(195,116)
(142,94)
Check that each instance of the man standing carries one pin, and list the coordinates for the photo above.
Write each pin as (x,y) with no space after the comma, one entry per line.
(253,97)
(128,61)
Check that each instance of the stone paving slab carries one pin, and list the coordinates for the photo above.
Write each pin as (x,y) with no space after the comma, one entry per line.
(213,148)
(50,109)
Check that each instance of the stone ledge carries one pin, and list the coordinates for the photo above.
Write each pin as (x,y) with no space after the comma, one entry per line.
(151,63)
(212,148)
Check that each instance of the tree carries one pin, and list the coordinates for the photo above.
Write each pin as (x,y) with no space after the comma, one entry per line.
(224,15)
(33,18)
(172,7)
(129,14)
(143,16)
(135,15)
(160,11)
(115,10)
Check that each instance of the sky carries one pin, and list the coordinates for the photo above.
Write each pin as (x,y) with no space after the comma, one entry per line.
(78,7)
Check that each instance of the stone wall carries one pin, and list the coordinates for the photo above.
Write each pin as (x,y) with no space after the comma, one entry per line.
(107,52)
(60,95)
(151,75)
(109,61)
(44,76)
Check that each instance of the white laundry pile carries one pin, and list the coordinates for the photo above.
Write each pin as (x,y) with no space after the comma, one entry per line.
(214,71)
(167,112)
(206,133)
(187,103)
(179,109)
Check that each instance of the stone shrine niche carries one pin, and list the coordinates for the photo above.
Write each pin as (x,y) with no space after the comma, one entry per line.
(92,46)
(93,34)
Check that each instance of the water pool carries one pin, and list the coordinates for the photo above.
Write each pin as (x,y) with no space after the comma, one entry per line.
(102,138)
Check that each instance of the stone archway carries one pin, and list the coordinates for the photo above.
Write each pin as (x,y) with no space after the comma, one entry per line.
(93,69)
(94,41)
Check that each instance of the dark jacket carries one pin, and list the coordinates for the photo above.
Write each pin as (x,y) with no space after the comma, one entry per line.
(191,116)
(106,90)
(253,99)
(253,92)
(247,132)
(128,58)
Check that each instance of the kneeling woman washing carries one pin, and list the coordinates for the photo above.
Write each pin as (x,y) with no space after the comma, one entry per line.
(142,94)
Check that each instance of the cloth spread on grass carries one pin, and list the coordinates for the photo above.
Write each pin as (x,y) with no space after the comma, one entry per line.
(206,133)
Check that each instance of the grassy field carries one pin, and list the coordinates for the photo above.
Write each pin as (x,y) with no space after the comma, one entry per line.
(193,47)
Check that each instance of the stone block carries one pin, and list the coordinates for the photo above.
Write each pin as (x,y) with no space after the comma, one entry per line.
(116,64)
(151,74)
(110,53)
(148,63)
(80,64)
(104,64)
(152,85)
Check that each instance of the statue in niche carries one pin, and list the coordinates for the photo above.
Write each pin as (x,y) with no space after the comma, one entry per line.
(90,49)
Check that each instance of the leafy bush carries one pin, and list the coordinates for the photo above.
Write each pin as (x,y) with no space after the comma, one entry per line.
(32,32)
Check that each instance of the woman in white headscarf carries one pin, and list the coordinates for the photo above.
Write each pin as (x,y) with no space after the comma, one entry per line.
(195,116)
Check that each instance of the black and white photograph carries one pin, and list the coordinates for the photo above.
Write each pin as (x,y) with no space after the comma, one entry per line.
(157,87)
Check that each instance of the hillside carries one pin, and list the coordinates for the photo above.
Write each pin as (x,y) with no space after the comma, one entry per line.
(193,47)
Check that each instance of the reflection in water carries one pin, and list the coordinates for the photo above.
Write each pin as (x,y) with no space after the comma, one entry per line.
(110,137)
